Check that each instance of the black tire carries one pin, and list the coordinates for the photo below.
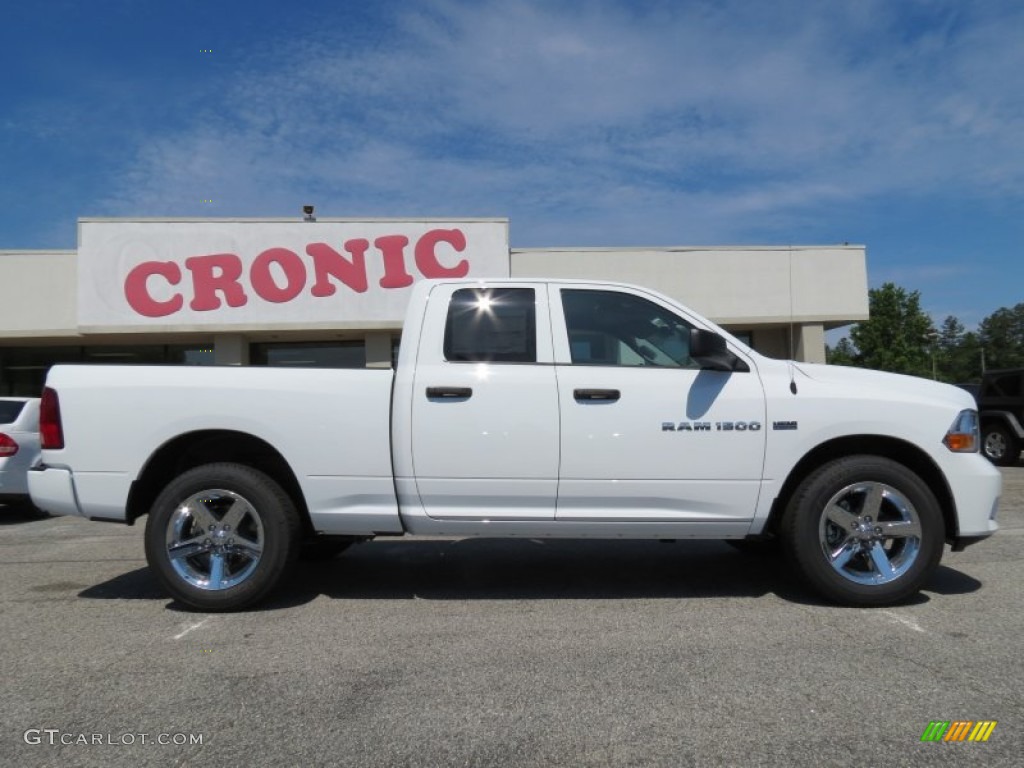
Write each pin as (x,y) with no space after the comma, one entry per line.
(999,445)
(254,539)
(864,531)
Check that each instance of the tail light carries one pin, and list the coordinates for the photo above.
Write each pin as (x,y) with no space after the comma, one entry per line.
(51,431)
(8,446)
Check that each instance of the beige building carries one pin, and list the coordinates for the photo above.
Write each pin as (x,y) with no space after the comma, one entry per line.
(332,292)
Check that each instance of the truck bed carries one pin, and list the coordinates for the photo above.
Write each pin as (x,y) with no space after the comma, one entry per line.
(330,426)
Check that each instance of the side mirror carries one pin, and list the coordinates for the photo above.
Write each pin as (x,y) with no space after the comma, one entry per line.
(708,349)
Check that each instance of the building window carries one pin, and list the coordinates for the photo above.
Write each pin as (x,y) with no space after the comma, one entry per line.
(311,354)
(194,355)
(23,369)
(153,354)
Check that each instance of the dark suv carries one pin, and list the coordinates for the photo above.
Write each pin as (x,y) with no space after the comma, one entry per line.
(1001,405)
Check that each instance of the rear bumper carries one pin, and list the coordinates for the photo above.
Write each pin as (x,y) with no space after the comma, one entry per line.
(53,490)
(13,483)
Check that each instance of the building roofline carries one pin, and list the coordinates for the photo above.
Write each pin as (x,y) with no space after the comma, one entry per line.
(285,220)
(31,251)
(688,248)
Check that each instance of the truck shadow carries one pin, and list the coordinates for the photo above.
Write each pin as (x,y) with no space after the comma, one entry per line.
(21,512)
(531,569)
(552,569)
(139,584)
(517,569)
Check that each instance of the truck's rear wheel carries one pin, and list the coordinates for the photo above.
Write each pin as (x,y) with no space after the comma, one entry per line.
(221,536)
(864,530)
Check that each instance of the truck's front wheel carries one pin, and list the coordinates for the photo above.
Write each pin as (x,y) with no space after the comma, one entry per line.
(864,530)
(221,536)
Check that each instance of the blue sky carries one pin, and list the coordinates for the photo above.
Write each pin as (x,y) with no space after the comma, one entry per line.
(897,124)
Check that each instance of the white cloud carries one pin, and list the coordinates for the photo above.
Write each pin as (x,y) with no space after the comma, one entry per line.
(600,124)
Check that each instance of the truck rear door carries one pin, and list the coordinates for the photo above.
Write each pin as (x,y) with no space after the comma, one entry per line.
(485,405)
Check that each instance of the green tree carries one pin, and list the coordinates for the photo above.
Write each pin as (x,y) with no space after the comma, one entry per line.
(898,337)
(951,333)
(843,353)
(958,353)
(1002,336)
(968,359)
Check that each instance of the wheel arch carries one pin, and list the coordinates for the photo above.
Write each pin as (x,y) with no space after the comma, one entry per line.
(194,449)
(900,451)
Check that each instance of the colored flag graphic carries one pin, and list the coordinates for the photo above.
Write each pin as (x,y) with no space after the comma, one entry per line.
(958,730)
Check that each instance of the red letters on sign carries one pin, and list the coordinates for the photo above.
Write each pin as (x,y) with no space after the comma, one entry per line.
(426,253)
(263,281)
(219,272)
(136,288)
(327,261)
(392,248)
(279,275)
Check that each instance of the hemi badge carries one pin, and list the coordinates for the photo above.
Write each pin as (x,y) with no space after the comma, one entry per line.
(784,425)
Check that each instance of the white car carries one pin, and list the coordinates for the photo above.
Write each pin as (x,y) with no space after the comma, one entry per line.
(19,446)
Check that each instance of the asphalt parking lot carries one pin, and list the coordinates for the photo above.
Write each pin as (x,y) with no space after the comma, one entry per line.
(502,653)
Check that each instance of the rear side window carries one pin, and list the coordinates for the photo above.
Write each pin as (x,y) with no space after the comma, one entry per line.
(9,410)
(492,325)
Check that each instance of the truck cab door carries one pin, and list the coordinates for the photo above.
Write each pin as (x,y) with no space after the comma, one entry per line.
(484,427)
(647,435)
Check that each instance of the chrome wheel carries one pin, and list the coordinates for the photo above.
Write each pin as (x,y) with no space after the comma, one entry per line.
(995,446)
(214,539)
(222,536)
(870,533)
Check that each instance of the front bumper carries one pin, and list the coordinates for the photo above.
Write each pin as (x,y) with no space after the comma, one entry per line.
(977,487)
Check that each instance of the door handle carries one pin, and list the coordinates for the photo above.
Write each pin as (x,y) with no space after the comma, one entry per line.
(607,395)
(449,393)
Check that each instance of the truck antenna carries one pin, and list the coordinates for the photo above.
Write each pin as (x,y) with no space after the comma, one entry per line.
(792,350)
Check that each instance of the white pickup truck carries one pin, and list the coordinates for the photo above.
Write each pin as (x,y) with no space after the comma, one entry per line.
(523,408)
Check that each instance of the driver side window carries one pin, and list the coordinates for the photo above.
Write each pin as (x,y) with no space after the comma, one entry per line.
(612,328)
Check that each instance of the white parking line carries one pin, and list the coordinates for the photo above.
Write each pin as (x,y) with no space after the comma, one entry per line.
(905,621)
(192,627)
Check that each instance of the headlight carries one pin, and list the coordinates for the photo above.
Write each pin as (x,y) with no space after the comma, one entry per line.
(963,436)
